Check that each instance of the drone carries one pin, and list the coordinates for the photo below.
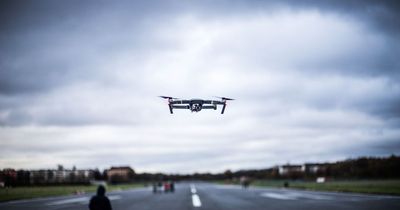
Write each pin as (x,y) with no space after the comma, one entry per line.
(195,105)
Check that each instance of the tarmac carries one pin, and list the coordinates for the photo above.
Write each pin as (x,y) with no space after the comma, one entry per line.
(208,196)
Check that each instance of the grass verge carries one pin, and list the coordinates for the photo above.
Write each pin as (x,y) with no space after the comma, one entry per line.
(17,193)
(384,187)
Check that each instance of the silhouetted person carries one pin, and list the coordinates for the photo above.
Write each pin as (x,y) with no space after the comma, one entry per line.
(154,187)
(100,201)
(172,186)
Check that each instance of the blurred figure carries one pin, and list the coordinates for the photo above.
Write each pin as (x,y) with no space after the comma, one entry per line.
(100,201)
(172,186)
(245,182)
(154,187)
(286,184)
(160,186)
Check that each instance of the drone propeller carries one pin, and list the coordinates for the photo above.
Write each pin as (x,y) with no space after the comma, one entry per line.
(167,97)
(224,98)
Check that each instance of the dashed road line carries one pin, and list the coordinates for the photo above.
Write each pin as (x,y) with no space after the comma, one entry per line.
(193,190)
(195,198)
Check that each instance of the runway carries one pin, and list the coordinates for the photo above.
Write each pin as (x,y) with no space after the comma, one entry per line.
(207,196)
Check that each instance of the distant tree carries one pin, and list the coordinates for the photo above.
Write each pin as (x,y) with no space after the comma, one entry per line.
(23,178)
(97,174)
(228,174)
(105,176)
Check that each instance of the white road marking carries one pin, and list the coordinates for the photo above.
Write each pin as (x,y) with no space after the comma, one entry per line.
(28,200)
(196,200)
(324,195)
(358,196)
(278,196)
(314,196)
(114,197)
(236,187)
(295,196)
(193,190)
(70,200)
(82,200)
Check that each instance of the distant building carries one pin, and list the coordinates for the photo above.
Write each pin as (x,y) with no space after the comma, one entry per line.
(120,174)
(290,169)
(315,168)
(61,176)
(8,177)
(9,172)
(305,170)
(38,177)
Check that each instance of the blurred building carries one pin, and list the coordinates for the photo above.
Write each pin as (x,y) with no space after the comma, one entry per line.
(315,168)
(290,169)
(61,176)
(120,174)
(8,177)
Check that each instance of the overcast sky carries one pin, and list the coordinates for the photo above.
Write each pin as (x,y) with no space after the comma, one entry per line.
(313,81)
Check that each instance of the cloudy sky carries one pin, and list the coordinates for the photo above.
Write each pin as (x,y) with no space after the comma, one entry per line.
(313,81)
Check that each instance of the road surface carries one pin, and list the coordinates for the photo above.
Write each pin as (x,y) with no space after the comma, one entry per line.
(199,196)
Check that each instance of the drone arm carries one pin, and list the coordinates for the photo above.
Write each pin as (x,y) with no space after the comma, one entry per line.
(218,102)
(180,107)
(213,102)
(223,108)
(210,107)
(180,102)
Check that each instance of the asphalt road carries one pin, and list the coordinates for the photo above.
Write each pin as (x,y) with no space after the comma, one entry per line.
(216,197)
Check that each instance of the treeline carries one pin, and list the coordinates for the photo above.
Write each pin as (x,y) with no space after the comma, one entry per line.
(360,168)
(366,167)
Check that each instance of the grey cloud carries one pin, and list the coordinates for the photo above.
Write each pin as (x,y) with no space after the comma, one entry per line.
(45,44)
(381,14)
(76,65)
(36,34)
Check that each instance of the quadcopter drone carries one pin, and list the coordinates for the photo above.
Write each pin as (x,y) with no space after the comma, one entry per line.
(195,105)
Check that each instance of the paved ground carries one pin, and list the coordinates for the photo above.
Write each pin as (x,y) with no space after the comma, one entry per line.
(199,196)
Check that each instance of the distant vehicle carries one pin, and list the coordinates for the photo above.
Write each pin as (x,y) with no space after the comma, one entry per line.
(160,187)
(195,105)
(167,187)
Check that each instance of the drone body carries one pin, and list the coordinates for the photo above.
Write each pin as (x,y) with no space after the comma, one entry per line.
(195,105)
